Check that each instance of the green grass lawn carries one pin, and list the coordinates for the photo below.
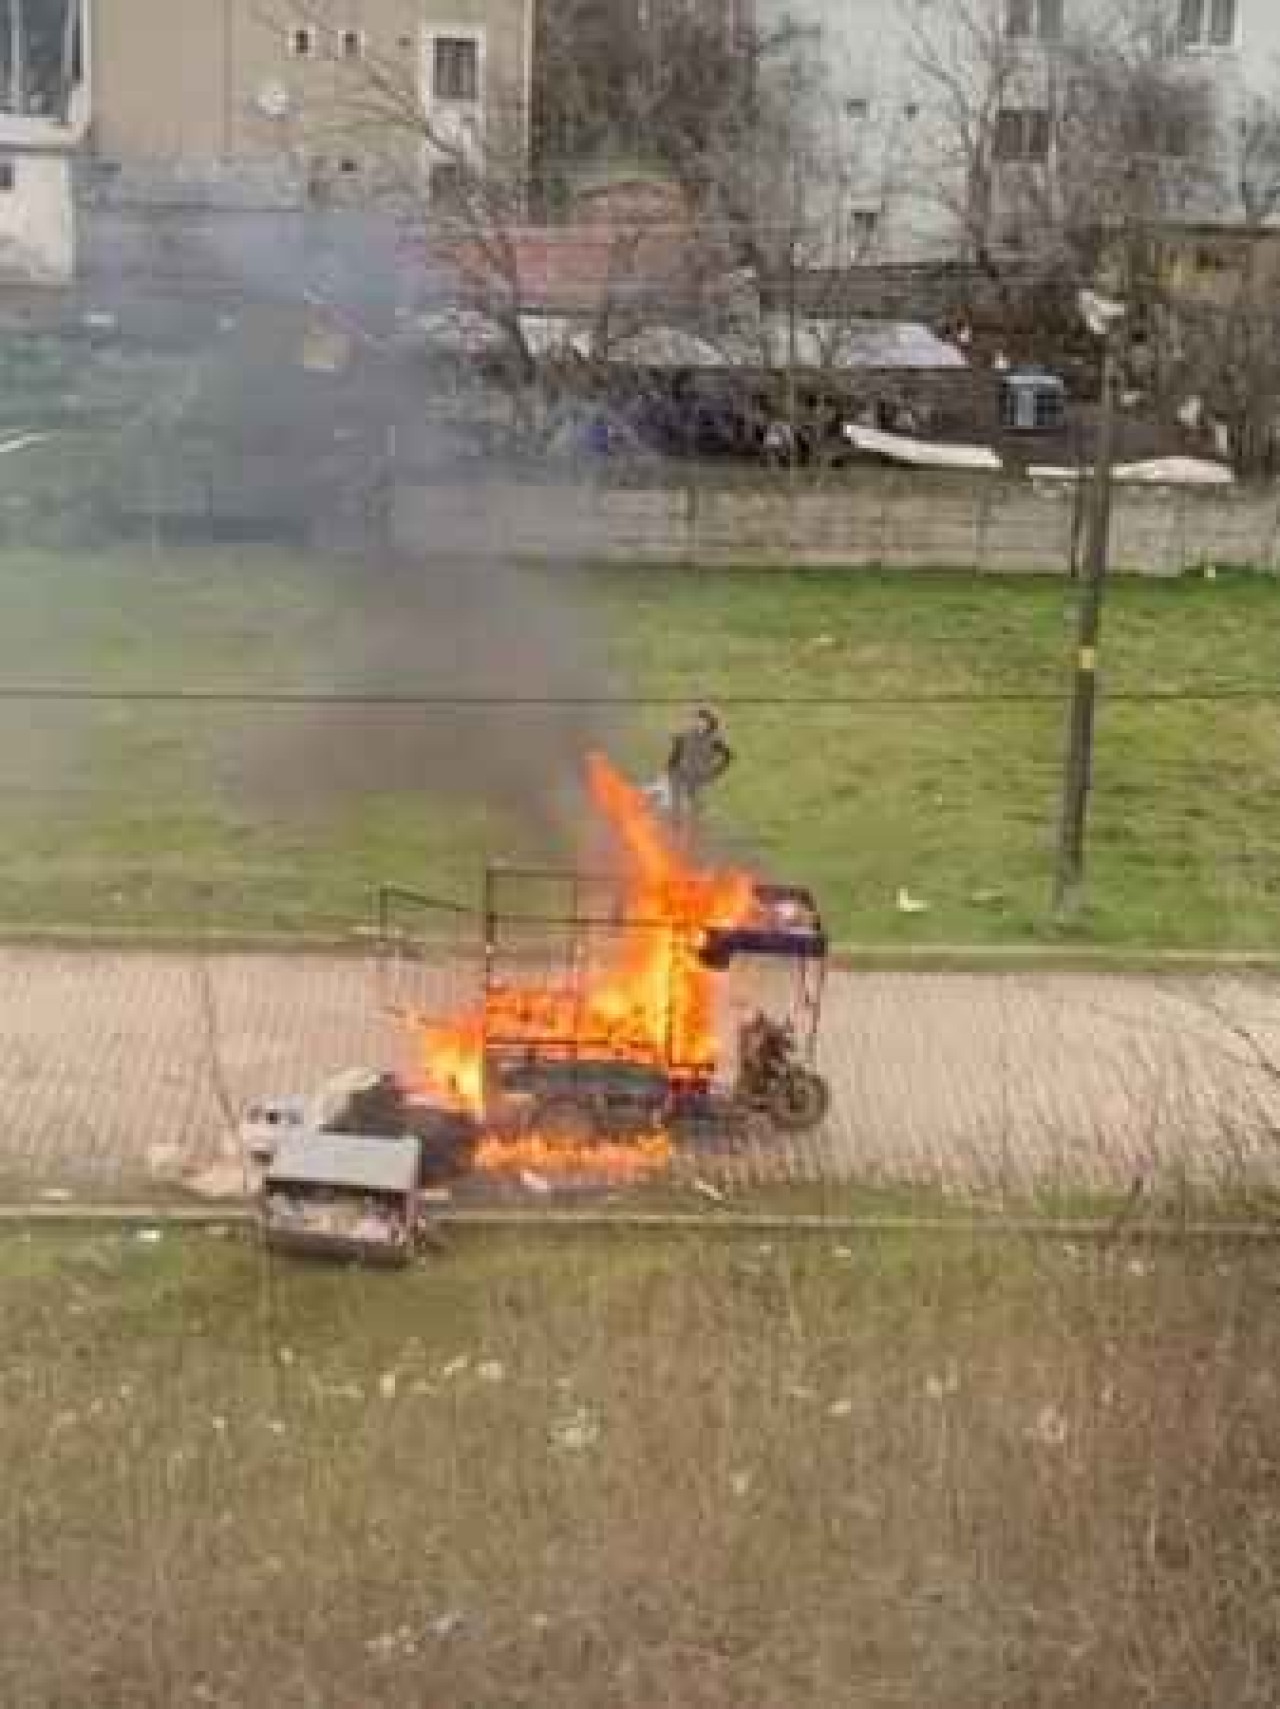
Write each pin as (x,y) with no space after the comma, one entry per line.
(142,815)
(620,1472)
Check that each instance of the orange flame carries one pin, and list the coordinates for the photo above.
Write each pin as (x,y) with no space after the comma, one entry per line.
(549,1160)
(652,1004)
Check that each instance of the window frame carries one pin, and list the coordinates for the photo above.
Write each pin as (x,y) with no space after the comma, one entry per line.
(442,200)
(1033,126)
(866,224)
(455,35)
(1198,26)
(1044,21)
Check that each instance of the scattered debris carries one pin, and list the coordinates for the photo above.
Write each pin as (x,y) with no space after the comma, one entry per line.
(218,1181)
(708,1191)
(340,1391)
(576,1432)
(57,1195)
(388,1645)
(842,1408)
(532,1182)
(909,904)
(455,1367)
(388,1383)
(1050,1428)
(942,1388)
(491,1371)
(740,1484)
(149,1236)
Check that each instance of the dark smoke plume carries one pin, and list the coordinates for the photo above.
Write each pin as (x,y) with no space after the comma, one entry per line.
(470,629)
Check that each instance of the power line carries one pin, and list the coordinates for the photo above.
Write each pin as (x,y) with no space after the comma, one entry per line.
(38,693)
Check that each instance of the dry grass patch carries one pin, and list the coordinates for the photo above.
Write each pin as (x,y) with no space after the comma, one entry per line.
(705,1473)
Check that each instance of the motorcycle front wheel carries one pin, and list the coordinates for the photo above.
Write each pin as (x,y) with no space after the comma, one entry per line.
(800,1101)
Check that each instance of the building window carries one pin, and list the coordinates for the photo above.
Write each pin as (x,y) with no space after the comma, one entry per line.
(8,174)
(1174,140)
(866,223)
(351,44)
(1033,20)
(447,185)
(857,107)
(302,41)
(1208,23)
(1022,134)
(455,72)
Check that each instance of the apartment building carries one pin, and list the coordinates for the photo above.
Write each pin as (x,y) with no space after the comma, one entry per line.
(891,126)
(235,85)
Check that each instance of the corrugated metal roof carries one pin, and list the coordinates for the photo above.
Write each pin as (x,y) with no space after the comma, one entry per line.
(345,1160)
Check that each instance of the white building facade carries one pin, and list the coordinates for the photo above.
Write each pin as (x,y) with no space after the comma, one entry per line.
(891,127)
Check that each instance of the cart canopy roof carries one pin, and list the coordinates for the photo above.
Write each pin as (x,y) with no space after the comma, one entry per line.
(784,922)
(345,1160)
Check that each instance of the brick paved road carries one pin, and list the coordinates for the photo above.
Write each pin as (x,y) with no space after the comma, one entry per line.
(976,1081)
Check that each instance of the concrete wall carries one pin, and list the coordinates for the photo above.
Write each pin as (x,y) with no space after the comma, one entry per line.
(993,526)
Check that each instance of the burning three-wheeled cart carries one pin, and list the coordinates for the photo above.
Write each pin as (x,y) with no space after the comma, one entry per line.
(602,1018)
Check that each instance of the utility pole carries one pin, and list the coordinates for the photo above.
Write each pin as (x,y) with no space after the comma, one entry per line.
(17,56)
(1078,772)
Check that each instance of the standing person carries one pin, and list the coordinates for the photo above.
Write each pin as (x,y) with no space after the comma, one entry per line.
(699,757)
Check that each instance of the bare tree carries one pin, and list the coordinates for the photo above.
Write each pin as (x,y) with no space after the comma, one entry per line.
(730,123)
(970,67)
(1221,322)
(1257,157)
(1135,150)
(462,187)
(666,86)
(1070,154)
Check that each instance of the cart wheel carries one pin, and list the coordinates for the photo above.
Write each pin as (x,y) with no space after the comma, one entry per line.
(800,1102)
(564,1121)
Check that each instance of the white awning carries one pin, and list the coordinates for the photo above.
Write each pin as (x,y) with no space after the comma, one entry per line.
(921,453)
(1155,472)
